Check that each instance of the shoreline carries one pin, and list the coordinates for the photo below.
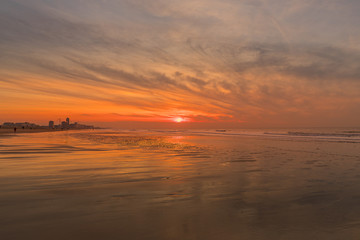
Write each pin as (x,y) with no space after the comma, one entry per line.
(10,131)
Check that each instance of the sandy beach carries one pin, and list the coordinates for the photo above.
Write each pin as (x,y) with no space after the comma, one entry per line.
(178,185)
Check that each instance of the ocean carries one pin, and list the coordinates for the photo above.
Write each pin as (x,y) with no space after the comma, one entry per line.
(259,184)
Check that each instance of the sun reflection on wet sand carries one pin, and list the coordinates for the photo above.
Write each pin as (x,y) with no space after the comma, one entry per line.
(111,185)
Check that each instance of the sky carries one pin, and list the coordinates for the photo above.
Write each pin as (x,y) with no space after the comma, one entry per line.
(221,64)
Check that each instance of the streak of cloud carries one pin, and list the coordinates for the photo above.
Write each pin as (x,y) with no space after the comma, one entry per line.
(258,62)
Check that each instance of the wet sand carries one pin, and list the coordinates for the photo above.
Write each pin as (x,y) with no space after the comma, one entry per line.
(108,185)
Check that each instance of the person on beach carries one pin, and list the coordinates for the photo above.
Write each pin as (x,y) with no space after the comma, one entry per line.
(14,129)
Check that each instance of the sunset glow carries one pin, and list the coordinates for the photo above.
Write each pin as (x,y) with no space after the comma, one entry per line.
(178,119)
(239,64)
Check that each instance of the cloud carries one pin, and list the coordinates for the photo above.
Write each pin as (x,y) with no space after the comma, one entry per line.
(234,60)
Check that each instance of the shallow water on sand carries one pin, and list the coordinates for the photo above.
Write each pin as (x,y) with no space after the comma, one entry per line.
(177,185)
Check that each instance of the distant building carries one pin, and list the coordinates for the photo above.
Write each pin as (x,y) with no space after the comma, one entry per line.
(8,124)
(64,124)
(20,125)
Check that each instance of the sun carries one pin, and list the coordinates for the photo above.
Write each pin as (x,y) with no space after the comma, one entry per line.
(178,119)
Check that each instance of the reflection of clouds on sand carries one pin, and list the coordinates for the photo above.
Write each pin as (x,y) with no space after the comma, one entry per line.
(188,186)
(124,140)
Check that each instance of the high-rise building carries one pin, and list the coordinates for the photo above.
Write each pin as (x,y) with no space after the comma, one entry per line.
(68,121)
(51,124)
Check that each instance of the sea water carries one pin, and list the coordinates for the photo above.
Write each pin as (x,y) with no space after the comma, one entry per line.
(181,184)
